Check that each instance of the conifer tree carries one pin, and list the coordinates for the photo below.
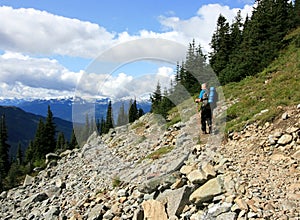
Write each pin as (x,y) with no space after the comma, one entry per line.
(4,148)
(133,112)
(109,118)
(73,141)
(220,46)
(61,142)
(49,133)
(156,98)
(19,155)
(122,116)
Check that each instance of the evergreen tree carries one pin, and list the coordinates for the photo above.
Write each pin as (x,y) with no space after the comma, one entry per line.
(38,147)
(297,13)
(140,112)
(133,112)
(156,98)
(109,118)
(220,44)
(19,155)
(49,133)
(73,141)
(4,148)
(122,116)
(61,142)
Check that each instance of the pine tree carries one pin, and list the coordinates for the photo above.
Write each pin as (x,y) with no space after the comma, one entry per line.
(133,112)
(297,13)
(61,142)
(39,144)
(19,155)
(4,148)
(122,116)
(220,43)
(109,118)
(73,141)
(49,133)
(156,98)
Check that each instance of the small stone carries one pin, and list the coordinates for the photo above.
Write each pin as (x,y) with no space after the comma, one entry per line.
(285,116)
(28,180)
(296,155)
(241,203)
(154,210)
(285,139)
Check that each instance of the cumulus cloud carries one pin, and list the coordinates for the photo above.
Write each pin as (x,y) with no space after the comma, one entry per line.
(21,75)
(39,32)
(201,26)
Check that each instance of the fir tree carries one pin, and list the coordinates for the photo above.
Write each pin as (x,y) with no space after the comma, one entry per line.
(156,98)
(109,118)
(133,112)
(61,142)
(73,141)
(122,116)
(220,46)
(4,148)
(19,155)
(49,133)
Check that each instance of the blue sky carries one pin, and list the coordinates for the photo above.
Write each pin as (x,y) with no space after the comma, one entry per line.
(46,46)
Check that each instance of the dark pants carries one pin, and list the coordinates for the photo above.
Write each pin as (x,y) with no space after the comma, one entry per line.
(206,118)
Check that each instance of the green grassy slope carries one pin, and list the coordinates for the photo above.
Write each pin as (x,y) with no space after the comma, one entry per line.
(278,85)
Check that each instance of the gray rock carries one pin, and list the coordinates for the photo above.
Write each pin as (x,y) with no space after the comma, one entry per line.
(108,215)
(175,200)
(285,139)
(152,185)
(39,197)
(3,195)
(52,213)
(207,191)
(218,209)
(197,177)
(28,180)
(95,212)
(227,216)
(51,156)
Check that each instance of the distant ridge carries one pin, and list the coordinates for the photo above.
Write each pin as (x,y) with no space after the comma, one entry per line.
(22,126)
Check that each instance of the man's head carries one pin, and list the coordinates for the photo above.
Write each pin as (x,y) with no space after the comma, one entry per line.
(203,86)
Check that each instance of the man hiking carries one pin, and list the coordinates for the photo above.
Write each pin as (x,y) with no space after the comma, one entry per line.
(205,110)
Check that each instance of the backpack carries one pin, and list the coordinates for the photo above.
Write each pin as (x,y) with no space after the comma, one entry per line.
(213,96)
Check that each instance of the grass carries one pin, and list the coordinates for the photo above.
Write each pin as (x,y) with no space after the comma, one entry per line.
(277,85)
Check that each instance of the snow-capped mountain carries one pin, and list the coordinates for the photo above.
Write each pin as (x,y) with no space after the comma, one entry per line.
(63,107)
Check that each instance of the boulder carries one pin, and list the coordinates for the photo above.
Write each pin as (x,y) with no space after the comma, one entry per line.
(51,156)
(285,139)
(175,200)
(207,191)
(154,210)
(197,177)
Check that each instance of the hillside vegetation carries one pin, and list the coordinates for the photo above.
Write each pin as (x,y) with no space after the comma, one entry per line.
(262,97)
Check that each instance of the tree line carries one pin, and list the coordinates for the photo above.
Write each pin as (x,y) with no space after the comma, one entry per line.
(240,49)
(46,140)
(245,48)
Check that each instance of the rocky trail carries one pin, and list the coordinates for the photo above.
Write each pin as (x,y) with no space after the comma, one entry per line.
(147,171)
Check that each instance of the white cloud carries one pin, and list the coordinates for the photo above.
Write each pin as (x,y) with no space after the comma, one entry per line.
(39,32)
(33,32)
(201,26)
(21,75)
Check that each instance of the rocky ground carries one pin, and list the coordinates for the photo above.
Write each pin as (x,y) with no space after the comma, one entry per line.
(148,171)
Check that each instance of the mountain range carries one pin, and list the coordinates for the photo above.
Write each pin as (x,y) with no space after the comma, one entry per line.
(23,115)
(63,107)
(21,126)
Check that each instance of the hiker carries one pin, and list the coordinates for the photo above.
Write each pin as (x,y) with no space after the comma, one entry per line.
(205,109)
